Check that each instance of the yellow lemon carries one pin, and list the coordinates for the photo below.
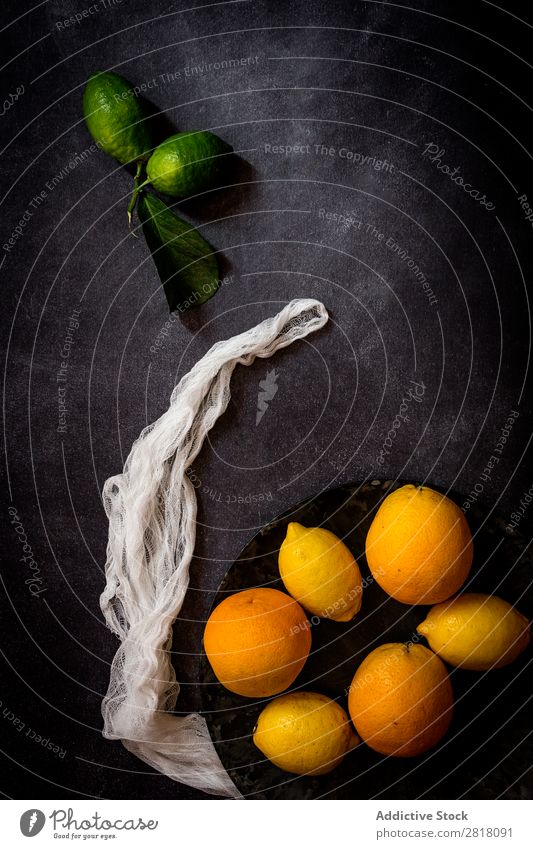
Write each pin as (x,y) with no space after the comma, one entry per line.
(320,572)
(476,631)
(304,733)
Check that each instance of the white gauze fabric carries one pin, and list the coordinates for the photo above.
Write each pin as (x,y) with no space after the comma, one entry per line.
(151,508)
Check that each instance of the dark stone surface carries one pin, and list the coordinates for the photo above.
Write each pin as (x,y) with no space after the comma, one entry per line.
(367,77)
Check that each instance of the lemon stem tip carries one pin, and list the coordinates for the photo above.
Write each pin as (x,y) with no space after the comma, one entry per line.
(353,741)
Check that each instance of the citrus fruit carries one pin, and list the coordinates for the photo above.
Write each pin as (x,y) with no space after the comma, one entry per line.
(476,631)
(187,163)
(320,572)
(401,699)
(304,733)
(419,546)
(257,642)
(115,117)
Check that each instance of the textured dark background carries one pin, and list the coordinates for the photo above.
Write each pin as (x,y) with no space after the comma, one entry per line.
(379,79)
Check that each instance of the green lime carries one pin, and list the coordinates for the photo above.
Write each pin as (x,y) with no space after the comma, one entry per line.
(115,117)
(187,163)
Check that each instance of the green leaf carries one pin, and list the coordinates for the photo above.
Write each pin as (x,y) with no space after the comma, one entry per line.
(186,263)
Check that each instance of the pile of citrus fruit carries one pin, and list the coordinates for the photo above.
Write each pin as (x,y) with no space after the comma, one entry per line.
(419,549)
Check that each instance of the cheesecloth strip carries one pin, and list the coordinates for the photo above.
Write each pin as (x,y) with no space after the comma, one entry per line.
(151,509)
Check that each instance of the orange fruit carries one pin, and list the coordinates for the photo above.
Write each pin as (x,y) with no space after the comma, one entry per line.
(257,642)
(419,546)
(401,700)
